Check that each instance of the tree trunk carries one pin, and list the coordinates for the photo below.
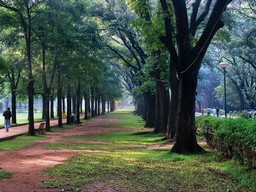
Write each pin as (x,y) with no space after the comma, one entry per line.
(52,107)
(78,99)
(96,106)
(63,104)
(14,117)
(30,89)
(92,103)
(85,106)
(73,103)
(108,106)
(88,104)
(103,106)
(112,105)
(69,105)
(46,91)
(59,108)
(162,108)
(186,133)
(174,85)
(99,100)
(47,110)
(150,103)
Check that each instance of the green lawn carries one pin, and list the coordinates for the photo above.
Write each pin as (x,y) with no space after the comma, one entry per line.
(23,118)
(123,163)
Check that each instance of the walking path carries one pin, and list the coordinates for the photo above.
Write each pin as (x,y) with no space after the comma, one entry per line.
(16,130)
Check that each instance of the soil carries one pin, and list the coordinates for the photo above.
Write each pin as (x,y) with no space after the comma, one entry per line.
(28,165)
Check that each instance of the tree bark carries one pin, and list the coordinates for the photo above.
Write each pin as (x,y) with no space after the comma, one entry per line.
(186,133)
(162,107)
(173,116)
(150,103)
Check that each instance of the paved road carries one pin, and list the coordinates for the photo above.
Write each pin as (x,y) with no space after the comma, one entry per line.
(22,129)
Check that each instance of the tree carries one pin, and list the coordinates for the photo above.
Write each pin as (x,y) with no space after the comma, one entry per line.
(187,42)
(236,44)
(24,15)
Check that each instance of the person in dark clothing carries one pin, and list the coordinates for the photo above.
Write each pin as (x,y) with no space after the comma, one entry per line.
(7,116)
(217,112)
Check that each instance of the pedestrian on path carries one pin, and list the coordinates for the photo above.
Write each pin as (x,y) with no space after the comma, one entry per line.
(7,116)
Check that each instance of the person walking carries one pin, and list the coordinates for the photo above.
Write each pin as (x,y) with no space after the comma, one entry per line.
(7,116)
(217,112)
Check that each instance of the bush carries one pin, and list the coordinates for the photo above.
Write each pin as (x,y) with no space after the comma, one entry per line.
(233,138)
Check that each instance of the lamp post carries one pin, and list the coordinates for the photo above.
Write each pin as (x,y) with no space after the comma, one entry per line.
(224,65)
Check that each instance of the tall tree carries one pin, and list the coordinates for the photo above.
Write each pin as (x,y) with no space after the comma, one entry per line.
(186,53)
(24,12)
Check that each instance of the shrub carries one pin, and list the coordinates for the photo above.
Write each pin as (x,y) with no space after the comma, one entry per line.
(233,138)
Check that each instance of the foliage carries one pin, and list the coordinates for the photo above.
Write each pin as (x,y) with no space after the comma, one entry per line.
(235,43)
(234,138)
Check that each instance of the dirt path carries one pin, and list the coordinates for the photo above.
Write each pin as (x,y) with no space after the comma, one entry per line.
(27,165)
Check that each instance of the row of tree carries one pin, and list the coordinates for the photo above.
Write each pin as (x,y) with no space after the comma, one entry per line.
(154,48)
(53,49)
(162,46)
(165,43)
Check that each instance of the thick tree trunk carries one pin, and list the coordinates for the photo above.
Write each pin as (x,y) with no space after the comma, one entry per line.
(162,108)
(186,133)
(173,116)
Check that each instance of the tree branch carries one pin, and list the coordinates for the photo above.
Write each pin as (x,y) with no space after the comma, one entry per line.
(195,22)
(121,57)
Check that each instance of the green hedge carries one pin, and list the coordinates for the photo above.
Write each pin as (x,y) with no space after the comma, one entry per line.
(233,138)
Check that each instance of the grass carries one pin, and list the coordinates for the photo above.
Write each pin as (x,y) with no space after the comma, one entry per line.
(20,142)
(124,164)
(149,170)
(126,119)
(124,137)
(109,141)
(5,175)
